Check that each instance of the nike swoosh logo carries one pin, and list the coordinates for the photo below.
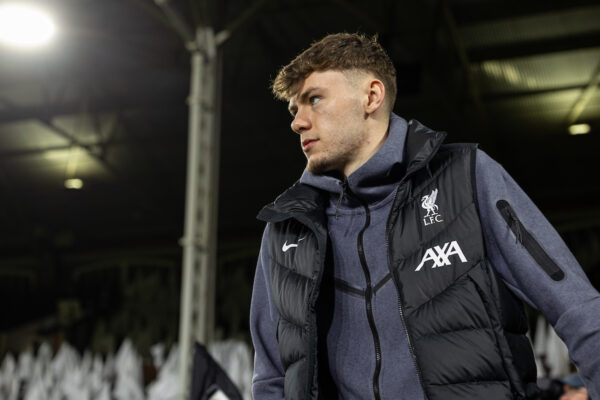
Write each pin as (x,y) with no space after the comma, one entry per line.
(286,246)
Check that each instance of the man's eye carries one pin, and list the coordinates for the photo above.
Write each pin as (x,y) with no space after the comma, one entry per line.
(314,99)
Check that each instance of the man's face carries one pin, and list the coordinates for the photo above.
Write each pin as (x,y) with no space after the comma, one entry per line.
(329,117)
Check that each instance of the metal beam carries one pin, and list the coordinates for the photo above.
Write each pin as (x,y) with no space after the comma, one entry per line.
(585,97)
(177,22)
(153,11)
(239,22)
(535,47)
(74,141)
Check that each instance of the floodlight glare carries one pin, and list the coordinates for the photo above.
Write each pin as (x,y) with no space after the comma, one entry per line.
(24,26)
(73,183)
(579,129)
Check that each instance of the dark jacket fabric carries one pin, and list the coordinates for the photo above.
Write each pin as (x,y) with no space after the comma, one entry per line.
(359,354)
(452,309)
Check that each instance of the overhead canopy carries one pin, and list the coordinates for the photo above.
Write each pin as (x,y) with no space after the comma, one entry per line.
(105,102)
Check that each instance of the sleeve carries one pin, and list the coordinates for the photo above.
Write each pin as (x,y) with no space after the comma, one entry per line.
(526,250)
(267,382)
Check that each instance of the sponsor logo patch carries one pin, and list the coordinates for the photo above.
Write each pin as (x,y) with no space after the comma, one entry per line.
(440,256)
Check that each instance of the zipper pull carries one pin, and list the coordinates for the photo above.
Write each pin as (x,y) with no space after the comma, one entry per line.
(342,193)
(513,222)
(516,223)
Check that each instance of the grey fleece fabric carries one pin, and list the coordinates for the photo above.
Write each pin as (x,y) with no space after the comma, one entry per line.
(571,305)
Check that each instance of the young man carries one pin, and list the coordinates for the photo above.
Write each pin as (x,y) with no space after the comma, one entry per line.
(393,269)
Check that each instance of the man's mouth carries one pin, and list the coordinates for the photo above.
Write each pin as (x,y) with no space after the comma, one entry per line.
(307,144)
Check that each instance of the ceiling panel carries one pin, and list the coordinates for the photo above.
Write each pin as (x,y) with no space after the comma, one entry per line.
(550,71)
(532,27)
(27,135)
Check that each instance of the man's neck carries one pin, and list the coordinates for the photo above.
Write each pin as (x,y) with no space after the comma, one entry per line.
(376,133)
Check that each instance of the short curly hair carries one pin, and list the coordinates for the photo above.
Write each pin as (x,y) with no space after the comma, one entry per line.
(342,52)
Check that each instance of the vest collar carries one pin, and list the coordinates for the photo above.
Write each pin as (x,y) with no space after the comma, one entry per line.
(422,143)
(298,200)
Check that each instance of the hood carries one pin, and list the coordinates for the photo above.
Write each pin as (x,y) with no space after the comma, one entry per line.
(407,148)
(376,178)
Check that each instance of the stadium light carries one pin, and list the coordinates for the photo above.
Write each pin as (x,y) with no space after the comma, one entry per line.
(579,129)
(73,183)
(25,26)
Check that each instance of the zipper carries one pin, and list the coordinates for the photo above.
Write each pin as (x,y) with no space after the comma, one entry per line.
(397,285)
(527,240)
(369,296)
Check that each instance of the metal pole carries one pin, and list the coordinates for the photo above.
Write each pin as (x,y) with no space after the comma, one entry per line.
(189,239)
(197,312)
(199,242)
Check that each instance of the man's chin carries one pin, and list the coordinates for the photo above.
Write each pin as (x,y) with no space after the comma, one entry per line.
(319,167)
(316,168)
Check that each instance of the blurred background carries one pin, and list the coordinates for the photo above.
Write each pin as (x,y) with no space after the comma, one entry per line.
(94,141)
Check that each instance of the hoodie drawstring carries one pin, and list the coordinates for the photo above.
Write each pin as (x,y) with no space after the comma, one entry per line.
(344,186)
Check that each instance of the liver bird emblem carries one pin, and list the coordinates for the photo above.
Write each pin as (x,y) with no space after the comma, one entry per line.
(428,203)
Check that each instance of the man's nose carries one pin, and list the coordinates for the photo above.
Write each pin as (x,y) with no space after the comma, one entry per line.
(301,122)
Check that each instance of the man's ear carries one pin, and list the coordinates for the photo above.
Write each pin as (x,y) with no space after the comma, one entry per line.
(375,97)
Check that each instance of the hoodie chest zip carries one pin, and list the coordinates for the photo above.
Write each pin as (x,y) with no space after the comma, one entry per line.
(368,291)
